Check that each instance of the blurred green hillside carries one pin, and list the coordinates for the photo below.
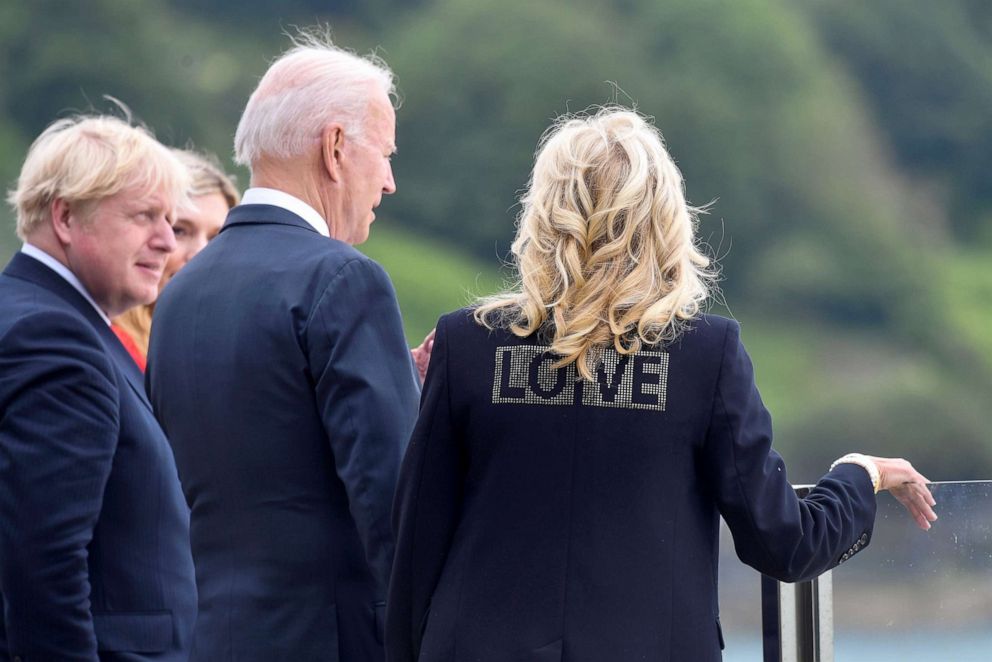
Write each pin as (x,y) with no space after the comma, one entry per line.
(846,148)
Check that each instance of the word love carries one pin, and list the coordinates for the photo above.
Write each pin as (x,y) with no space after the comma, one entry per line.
(525,374)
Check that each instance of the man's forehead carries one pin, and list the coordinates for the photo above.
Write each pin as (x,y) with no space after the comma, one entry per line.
(382,120)
(138,198)
(380,107)
(143,194)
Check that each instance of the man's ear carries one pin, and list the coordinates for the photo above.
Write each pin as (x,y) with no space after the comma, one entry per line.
(62,218)
(332,150)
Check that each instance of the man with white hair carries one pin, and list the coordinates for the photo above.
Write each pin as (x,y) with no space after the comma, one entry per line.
(279,370)
(94,534)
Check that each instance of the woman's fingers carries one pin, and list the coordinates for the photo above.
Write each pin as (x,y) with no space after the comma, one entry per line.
(918,500)
(909,487)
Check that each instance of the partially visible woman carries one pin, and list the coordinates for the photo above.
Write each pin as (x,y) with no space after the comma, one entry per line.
(580,437)
(212,195)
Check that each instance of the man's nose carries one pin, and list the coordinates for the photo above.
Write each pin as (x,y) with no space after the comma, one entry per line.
(164,238)
(390,186)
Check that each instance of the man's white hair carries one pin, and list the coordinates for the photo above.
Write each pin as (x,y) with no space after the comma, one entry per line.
(309,86)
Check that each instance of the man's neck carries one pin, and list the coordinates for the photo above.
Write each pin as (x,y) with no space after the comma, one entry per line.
(259,195)
(298,180)
(34,248)
(49,245)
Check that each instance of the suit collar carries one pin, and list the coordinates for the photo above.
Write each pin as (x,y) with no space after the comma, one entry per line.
(31,270)
(49,261)
(264,215)
(258,195)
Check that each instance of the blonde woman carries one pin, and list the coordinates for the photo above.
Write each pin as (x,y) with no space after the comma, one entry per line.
(580,436)
(212,195)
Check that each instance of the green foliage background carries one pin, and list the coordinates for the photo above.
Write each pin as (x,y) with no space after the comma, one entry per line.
(845,148)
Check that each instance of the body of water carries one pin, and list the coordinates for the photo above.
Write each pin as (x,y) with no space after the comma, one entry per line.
(928,646)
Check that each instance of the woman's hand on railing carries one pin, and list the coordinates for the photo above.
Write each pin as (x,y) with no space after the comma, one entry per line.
(909,487)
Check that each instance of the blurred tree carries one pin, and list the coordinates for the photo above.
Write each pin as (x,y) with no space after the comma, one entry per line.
(254,14)
(928,76)
(185,80)
(939,428)
(752,110)
(481,80)
(13,141)
(182,78)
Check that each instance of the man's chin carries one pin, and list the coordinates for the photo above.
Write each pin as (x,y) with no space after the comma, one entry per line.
(146,296)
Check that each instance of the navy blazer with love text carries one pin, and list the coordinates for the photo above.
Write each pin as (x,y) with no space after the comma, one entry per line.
(543,518)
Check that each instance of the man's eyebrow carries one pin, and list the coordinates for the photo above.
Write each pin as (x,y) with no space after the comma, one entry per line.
(140,206)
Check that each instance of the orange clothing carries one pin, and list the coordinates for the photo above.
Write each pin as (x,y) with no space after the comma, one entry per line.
(130,345)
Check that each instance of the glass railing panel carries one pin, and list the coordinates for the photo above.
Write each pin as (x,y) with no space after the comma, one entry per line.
(915,595)
(912,595)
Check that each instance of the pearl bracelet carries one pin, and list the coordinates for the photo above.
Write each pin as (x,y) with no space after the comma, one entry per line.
(866,463)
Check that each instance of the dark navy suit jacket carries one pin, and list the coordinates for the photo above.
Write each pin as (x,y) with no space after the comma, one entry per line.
(94,533)
(540,518)
(279,370)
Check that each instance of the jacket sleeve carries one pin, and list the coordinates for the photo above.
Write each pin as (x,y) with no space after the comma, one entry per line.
(776,532)
(426,511)
(59,426)
(366,390)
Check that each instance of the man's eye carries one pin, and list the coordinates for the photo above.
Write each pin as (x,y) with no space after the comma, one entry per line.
(179,232)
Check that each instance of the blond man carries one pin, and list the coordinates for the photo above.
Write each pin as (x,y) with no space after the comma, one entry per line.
(94,534)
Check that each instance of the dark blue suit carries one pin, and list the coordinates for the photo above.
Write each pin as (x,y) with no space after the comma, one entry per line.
(94,533)
(279,371)
(540,518)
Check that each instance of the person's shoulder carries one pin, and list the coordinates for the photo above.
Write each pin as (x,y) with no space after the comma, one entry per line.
(708,329)
(458,319)
(336,258)
(296,250)
(336,251)
(462,323)
(37,310)
(463,335)
(50,330)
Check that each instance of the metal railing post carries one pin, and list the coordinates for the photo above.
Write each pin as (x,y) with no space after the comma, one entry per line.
(797,620)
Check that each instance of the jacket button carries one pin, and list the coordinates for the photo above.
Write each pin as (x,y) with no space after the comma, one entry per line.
(863,539)
(845,557)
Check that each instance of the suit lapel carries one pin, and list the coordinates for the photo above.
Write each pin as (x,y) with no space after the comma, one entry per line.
(27,268)
(132,374)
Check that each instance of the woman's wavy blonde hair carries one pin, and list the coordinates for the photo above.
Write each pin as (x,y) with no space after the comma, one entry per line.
(605,250)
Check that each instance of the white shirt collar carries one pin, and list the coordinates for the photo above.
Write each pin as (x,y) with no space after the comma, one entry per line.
(270,196)
(62,270)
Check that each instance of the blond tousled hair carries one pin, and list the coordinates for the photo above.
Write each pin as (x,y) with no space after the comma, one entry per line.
(206,176)
(605,251)
(84,159)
